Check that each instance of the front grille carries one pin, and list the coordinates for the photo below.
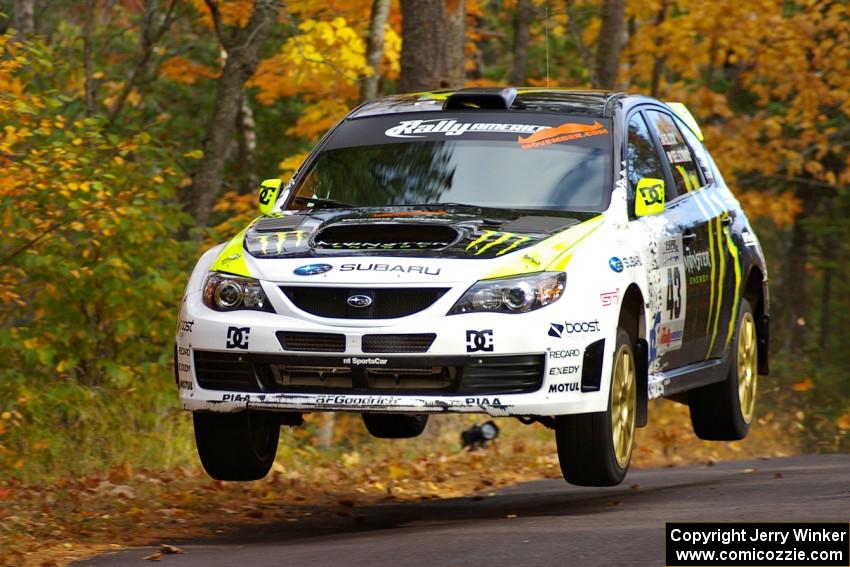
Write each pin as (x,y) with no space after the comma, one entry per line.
(386,303)
(503,374)
(347,374)
(398,343)
(311,342)
(225,371)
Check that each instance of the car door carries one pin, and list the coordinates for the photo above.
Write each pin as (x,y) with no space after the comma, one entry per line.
(725,276)
(665,267)
(704,221)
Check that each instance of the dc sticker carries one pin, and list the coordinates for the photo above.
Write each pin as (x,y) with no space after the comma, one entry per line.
(479,341)
(237,337)
(616,264)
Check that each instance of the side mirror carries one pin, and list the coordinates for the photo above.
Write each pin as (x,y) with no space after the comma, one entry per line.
(269,192)
(649,197)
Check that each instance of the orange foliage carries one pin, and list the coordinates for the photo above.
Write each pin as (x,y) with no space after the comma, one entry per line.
(182,70)
(782,209)
(791,60)
(233,12)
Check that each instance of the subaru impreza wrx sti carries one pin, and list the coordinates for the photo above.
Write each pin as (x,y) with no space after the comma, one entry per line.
(560,257)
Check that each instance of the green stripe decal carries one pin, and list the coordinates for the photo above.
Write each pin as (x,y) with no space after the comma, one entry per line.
(733,318)
(720,279)
(231,259)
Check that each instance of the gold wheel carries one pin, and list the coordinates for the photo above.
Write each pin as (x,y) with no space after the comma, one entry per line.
(747,366)
(623,405)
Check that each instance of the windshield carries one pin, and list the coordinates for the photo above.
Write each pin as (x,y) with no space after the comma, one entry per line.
(560,166)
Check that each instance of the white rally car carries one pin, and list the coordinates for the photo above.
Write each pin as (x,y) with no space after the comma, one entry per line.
(556,256)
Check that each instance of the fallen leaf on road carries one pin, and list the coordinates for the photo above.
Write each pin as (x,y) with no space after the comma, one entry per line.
(164,549)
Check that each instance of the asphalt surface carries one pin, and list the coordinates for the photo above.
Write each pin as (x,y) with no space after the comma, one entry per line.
(538,523)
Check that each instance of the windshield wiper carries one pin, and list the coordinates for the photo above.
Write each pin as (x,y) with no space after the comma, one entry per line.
(319,203)
(446,204)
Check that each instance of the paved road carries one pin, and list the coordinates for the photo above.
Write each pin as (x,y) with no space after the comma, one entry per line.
(554,524)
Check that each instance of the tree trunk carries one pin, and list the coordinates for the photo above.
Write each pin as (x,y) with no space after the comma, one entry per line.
(148,38)
(24,17)
(826,303)
(796,295)
(432,45)
(375,47)
(455,70)
(522,35)
(88,57)
(659,60)
(247,146)
(610,44)
(242,46)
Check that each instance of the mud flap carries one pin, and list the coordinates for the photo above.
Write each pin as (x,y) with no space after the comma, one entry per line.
(642,371)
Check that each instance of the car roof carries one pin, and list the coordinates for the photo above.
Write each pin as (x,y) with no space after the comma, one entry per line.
(534,99)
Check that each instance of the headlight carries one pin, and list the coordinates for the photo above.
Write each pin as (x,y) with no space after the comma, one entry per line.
(518,294)
(229,293)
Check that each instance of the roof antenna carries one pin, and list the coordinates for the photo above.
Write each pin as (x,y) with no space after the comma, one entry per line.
(547,45)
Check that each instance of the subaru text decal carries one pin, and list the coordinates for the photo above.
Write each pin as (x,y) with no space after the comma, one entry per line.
(388,268)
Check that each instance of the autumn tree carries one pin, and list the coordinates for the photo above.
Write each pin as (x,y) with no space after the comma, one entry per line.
(241,52)
(522,36)
(375,47)
(432,54)
(609,44)
(24,16)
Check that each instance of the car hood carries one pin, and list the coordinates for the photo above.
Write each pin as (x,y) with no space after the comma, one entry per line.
(397,241)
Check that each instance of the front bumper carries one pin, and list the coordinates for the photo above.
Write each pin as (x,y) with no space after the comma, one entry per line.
(500,365)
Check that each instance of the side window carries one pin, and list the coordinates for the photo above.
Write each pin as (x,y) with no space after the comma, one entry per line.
(642,158)
(699,152)
(678,154)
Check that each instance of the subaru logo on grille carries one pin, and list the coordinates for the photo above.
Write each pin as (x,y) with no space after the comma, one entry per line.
(359,301)
(312,269)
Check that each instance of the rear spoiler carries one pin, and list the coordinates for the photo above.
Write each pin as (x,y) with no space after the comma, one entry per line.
(682,112)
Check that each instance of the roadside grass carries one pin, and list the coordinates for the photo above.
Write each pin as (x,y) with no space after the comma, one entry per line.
(99,509)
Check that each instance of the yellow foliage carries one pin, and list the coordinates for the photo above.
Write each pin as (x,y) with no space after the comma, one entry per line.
(290,165)
(326,59)
(317,118)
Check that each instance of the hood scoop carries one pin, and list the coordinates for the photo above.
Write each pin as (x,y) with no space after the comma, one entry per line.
(278,223)
(386,236)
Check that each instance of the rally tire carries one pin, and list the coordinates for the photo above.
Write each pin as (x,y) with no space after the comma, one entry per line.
(716,409)
(236,446)
(587,450)
(394,426)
